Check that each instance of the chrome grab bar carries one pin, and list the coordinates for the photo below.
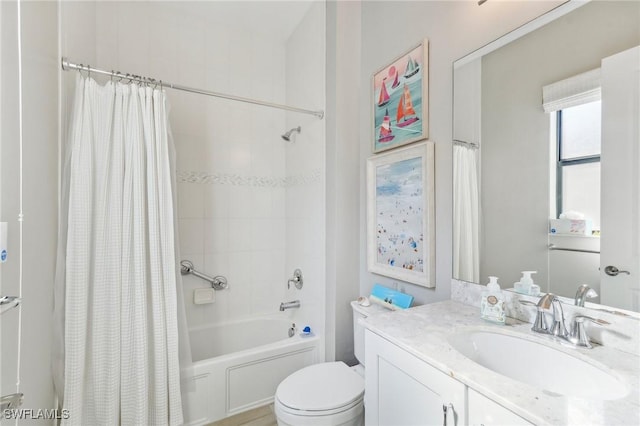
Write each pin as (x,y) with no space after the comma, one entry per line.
(218,282)
(11,402)
(8,302)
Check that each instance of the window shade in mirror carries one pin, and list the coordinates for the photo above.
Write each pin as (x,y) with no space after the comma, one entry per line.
(576,90)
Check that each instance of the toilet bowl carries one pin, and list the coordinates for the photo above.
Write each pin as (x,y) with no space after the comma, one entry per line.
(329,393)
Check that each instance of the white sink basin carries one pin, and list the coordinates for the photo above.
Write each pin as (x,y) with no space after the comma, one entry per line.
(544,367)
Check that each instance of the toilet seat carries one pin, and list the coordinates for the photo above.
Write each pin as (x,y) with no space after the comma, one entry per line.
(321,390)
(308,413)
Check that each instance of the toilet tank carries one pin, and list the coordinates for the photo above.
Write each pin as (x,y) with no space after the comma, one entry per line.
(360,311)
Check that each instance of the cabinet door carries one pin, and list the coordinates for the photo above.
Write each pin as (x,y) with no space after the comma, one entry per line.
(402,390)
(485,412)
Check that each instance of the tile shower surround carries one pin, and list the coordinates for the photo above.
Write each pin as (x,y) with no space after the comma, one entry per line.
(236,225)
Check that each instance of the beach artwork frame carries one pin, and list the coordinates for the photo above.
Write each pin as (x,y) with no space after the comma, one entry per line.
(400,100)
(400,214)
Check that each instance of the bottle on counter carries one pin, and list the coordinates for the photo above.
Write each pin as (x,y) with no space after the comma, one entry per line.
(492,303)
(526,284)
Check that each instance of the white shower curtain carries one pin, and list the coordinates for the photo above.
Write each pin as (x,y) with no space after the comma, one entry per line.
(466,211)
(117,284)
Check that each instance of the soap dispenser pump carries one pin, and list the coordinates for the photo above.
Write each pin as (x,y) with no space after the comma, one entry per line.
(492,303)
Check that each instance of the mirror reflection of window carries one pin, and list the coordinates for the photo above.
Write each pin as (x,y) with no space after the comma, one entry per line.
(575,107)
(577,143)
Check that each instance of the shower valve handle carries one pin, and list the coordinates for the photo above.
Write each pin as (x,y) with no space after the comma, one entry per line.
(296,280)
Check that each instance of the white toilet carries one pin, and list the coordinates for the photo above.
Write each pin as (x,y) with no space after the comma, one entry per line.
(329,393)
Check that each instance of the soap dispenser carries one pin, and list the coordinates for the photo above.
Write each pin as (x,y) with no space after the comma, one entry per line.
(492,304)
(526,284)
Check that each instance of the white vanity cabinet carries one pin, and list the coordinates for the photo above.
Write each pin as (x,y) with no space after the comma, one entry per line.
(484,412)
(403,390)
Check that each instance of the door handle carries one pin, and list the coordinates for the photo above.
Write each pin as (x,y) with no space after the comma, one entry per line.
(444,413)
(445,410)
(612,271)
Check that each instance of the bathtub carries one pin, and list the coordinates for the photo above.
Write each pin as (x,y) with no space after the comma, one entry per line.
(238,365)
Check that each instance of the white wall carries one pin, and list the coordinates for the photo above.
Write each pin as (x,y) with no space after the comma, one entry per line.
(305,170)
(454,29)
(40,97)
(343,88)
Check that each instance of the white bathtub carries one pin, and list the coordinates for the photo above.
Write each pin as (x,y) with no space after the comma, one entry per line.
(238,365)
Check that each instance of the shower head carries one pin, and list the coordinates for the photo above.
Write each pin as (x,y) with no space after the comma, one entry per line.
(287,136)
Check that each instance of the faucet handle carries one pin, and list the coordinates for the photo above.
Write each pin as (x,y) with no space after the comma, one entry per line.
(578,335)
(558,328)
(581,318)
(296,280)
(546,300)
(540,323)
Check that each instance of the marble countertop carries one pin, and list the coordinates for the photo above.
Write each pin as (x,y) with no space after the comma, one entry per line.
(423,330)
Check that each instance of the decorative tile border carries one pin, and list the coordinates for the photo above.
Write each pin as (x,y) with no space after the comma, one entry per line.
(256,181)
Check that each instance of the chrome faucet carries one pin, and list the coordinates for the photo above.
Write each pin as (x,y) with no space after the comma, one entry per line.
(577,335)
(547,301)
(289,305)
(584,292)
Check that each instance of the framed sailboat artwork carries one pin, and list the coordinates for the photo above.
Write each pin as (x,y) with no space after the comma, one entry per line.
(401,100)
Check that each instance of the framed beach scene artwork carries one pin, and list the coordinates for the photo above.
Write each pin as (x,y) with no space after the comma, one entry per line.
(400,214)
(401,100)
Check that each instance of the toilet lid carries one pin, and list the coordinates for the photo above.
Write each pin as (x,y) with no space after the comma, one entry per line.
(321,387)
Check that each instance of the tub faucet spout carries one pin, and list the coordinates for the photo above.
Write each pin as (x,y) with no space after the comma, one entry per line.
(289,305)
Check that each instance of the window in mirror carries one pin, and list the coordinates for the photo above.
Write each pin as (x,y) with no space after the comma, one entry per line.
(581,190)
(578,160)
(580,126)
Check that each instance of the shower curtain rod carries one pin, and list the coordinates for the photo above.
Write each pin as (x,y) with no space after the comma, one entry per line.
(70,66)
(469,144)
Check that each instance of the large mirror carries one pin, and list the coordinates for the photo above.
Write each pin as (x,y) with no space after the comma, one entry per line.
(546,127)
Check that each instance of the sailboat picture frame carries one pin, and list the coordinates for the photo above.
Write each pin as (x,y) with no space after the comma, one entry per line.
(400,100)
